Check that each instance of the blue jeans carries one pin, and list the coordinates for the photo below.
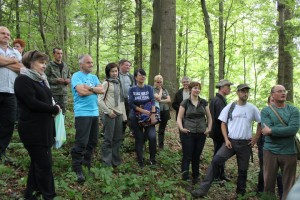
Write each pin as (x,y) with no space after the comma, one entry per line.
(87,129)
(141,134)
(192,146)
(8,110)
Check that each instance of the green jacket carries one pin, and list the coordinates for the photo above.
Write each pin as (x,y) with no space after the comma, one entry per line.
(282,140)
(53,73)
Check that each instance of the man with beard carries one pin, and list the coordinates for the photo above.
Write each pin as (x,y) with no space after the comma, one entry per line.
(237,131)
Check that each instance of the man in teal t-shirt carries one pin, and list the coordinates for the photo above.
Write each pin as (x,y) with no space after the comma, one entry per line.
(85,87)
(279,147)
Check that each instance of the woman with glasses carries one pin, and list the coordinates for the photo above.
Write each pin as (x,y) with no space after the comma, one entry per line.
(163,98)
(36,123)
(194,122)
(141,96)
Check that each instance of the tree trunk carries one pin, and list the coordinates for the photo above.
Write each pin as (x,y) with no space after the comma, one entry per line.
(138,35)
(41,27)
(1,16)
(18,34)
(119,28)
(168,45)
(97,37)
(285,45)
(179,49)
(210,50)
(155,42)
(221,40)
(186,50)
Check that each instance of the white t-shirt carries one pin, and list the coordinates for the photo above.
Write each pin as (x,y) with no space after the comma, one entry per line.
(240,127)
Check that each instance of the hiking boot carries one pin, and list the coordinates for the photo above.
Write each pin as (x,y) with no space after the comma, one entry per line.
(224,178)
(195,181)
(141,164)
(80,177)
(198,193)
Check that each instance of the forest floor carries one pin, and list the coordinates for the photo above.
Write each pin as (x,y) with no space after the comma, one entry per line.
(127,181)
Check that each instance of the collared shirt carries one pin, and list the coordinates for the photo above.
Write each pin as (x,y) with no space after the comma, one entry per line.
(126,83)
(7,76)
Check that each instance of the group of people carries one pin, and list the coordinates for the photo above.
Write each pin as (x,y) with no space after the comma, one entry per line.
(41,93)
(230,127)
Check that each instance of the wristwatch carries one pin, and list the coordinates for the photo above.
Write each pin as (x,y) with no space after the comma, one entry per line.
(91,89)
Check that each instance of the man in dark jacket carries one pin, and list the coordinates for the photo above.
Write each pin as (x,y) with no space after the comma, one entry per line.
(59,76)
(182,94)
(216,106)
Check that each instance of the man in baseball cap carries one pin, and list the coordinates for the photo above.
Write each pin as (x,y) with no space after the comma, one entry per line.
(216,105)
(223,82)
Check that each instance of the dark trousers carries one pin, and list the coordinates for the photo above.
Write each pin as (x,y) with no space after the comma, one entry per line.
(128,122)
(287,164)
(141,134)
(164,116)
(242,150)
(221,171)
(8,111)
(192,146)
(260,184)
(62,101)
(112,140)
(87,129)
(40,177)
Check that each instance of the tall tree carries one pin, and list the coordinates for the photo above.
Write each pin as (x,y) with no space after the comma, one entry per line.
(138,35)
(168,45)
(97,10)
(221,40)
(155,42)
(41,27)
(210,49)
(18,34)
(285,46)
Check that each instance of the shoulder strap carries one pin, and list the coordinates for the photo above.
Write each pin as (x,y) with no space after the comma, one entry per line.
(106,90)
(278,116)
(232,106)
(131,79)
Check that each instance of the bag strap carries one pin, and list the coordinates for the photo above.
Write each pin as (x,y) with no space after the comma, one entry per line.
(278,116)
(106,91)
(232,106)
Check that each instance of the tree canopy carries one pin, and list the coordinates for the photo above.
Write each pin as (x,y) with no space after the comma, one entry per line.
(115,29)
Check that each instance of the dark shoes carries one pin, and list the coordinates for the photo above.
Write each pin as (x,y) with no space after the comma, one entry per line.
(195,181)
(141,164)
(224,178)
(80,177)
(198,193)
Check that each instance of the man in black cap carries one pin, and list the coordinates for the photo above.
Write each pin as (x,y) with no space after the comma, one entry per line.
(237,131)
(216,106)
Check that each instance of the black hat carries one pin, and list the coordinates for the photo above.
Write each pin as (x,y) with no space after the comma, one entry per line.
(243,86)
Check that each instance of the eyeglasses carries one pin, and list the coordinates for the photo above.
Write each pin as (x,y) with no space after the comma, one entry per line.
(281,91)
